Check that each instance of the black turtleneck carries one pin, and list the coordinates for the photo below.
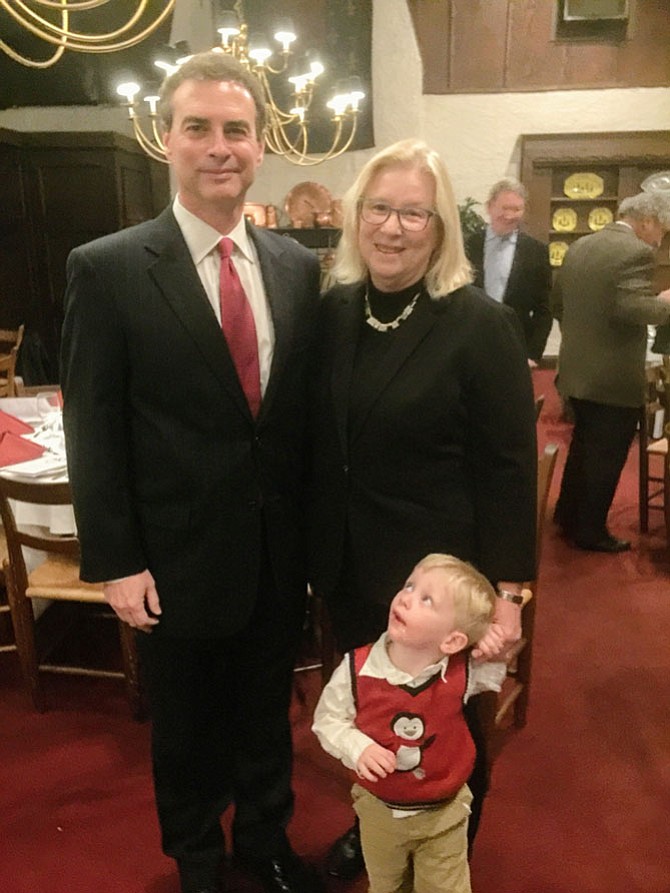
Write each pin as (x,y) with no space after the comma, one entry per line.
(387,305)
(373,345)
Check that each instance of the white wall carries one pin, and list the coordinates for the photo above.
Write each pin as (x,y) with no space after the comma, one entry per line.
(477,135)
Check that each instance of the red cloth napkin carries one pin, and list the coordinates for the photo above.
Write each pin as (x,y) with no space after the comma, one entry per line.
(14,449)
(11,423)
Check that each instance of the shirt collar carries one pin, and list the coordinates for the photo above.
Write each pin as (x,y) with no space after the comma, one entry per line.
(378,665)
(510,237)
(202,238)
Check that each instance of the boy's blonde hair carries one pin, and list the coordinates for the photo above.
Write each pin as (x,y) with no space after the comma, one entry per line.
(474,597)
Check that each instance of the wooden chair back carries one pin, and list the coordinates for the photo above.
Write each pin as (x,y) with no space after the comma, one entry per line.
(55,579)
(494,709)
(11,338)
(7,642)
(653,446)
(10,342)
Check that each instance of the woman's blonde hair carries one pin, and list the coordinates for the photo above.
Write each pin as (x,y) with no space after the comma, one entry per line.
(474,596)
(449,268)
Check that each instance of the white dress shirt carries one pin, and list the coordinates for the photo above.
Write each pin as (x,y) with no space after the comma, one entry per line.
(498,258)
(202,241)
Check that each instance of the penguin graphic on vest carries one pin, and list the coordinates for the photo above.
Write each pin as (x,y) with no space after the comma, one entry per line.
(410,727)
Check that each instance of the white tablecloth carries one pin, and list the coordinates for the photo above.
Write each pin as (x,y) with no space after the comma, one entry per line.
(58,519)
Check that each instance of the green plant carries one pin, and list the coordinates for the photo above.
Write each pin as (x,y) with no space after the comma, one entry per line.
(471,221)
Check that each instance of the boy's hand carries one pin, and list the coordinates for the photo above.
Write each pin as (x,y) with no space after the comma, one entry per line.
(502,633)
(375,762)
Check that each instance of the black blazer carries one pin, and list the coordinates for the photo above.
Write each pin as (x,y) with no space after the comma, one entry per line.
(528,287)
(445,457)
(168,468)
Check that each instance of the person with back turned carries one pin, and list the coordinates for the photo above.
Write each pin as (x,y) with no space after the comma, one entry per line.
(604,300)
(185,349)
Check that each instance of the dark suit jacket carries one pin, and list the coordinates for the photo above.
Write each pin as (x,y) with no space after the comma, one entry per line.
(168,468)
(528,287)
(445,457)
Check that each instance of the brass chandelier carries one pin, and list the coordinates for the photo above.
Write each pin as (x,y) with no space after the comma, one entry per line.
(55,28)
(288,130)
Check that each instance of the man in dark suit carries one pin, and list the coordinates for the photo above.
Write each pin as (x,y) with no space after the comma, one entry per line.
(512,267)
(604,300)
(187,492)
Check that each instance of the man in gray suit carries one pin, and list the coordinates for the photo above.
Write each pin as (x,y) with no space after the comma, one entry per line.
(186,462)
(604,300)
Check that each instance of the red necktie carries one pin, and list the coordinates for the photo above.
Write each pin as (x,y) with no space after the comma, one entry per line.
(237,322)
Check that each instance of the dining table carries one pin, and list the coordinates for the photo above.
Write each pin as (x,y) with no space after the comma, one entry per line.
(50,466)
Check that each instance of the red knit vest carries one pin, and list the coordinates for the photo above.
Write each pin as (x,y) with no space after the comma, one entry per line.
(423,726)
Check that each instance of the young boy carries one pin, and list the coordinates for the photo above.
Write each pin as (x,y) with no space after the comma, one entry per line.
(392,711)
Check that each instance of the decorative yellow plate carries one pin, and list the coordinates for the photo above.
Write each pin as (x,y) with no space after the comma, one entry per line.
(600,217)
(557,252)
(564,220)
(584,185)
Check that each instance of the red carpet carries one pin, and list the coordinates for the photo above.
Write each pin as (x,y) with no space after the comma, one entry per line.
(580,801)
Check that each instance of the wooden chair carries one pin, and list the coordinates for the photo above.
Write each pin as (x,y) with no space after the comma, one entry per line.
(653,446)
(10,342)
(666,481)
(539,403)
(56,579)
(7,642)
(11,338)
(495,709)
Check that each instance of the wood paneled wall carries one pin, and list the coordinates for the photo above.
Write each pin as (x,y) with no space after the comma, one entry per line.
(470,46)
(59,190)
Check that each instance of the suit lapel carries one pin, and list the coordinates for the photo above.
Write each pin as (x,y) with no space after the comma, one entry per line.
(516,270)
(174,273)
(272,263)
(476,247)
(347,326)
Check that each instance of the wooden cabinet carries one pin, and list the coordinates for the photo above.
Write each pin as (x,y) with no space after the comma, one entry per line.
(57,191)
(576,181)
(323,237)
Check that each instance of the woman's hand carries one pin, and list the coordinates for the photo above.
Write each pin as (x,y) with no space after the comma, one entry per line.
(503,632)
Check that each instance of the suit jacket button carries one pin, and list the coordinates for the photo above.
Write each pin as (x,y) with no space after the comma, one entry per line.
(345,469)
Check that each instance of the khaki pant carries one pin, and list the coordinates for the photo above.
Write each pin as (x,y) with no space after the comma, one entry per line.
(424,853)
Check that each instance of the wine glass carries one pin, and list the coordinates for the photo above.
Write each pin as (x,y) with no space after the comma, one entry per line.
(49,410)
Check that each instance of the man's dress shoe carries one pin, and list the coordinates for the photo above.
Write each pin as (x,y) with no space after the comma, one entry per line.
(607,544)
(284,872)
(345,858)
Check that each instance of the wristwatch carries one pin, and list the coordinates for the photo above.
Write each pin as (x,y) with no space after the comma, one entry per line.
(514,597)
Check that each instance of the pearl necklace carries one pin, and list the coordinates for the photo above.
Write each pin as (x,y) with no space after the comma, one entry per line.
(388,326)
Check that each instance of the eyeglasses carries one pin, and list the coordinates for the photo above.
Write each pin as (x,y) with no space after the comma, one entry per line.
(411,219)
